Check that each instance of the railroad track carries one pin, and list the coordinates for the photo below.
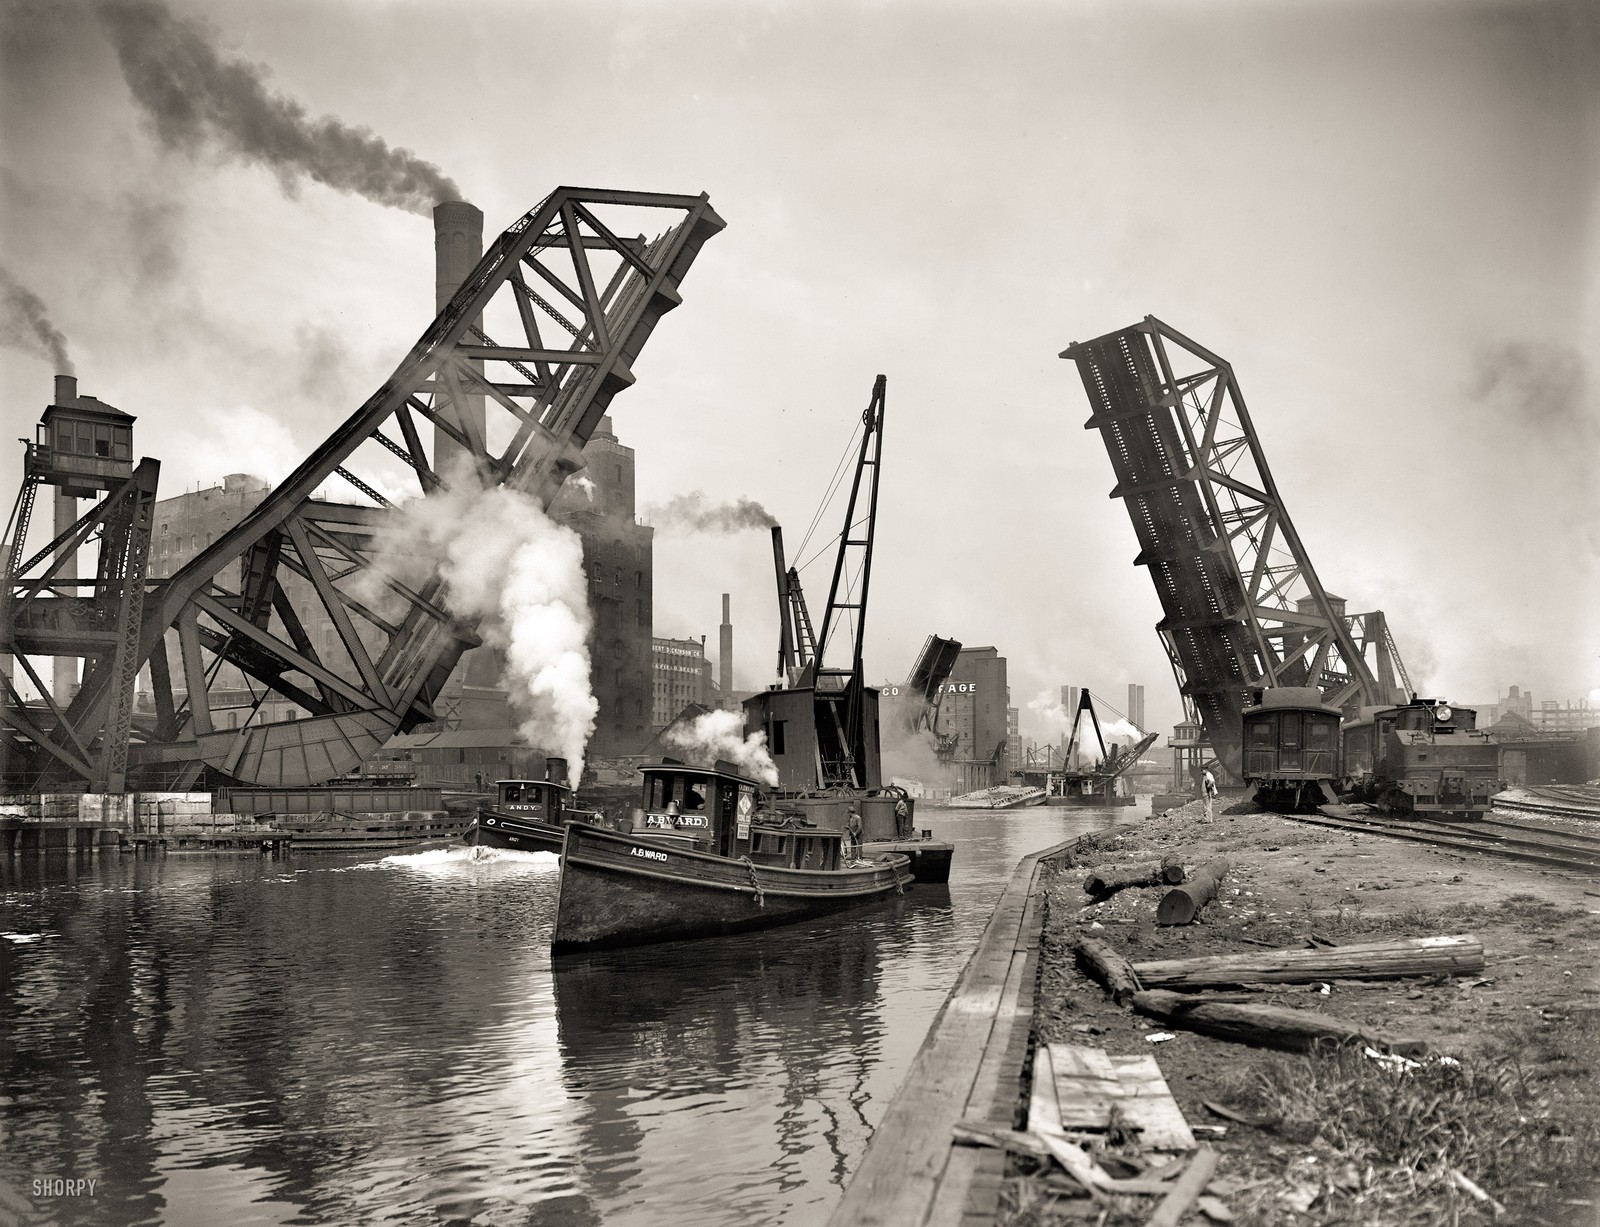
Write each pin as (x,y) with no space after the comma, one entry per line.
(1526,844)
(1559,806)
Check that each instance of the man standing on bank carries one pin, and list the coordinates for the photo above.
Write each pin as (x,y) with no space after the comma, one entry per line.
(1208,787)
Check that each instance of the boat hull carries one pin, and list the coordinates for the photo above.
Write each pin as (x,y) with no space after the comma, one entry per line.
(494,829)
(930,860)
(623,890)
(1092,801)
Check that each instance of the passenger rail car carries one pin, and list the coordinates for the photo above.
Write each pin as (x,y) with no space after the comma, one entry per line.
(1423,757)
(1291,748)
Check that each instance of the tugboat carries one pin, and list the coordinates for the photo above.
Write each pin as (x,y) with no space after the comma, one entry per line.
(529,815)
(703,858)
(821,727)
(1099,785)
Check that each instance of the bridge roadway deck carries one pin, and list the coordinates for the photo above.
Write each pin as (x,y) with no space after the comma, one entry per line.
(968,1066)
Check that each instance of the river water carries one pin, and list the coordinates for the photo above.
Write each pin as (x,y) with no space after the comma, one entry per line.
(326,1039)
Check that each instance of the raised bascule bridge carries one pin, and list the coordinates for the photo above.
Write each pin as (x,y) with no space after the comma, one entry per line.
(533,339)
(1242,605)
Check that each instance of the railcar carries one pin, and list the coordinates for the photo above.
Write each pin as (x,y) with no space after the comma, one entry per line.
(1291,748)
(1422,757)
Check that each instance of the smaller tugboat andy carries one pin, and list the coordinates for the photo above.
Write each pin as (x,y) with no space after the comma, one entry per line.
(702,859)
(529,815)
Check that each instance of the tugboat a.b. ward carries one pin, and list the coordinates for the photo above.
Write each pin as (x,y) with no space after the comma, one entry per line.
(702,859)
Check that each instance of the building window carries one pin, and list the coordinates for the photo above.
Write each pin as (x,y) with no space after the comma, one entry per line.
(777,736)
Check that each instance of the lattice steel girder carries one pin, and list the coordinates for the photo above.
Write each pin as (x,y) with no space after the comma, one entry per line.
(98,626)
(389,663)
(1242,604)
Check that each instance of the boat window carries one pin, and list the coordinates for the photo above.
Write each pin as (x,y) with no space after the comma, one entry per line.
(688,793)
(522,794)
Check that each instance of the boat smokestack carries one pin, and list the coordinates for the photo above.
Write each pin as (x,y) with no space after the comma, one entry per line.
(725,650)
(66,389)
(555,770)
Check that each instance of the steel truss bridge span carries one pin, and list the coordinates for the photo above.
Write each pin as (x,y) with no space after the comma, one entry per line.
(1242,604)
(512,377)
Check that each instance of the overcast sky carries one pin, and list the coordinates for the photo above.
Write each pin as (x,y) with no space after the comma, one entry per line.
(1382,215)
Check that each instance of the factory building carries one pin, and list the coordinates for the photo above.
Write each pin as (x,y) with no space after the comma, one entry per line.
(973,706)
(618,555)
(681,675)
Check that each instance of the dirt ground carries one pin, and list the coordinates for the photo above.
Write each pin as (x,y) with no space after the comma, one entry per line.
(1341,1138)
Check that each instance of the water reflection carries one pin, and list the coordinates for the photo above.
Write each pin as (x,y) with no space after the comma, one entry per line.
(331,1040)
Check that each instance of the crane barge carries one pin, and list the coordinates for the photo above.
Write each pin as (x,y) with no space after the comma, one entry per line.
(821,723)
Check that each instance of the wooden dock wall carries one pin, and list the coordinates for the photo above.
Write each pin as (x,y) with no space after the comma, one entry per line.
(967,1067)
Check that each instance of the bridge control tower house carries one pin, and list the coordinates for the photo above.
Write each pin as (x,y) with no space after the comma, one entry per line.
(83,449)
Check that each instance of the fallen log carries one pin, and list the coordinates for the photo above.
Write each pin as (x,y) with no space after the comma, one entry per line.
(1181,904)
(1390,960)
(1103,964)
(1264,1026)
(1106,880)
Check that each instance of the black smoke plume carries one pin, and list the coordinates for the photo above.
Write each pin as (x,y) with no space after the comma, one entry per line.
(24,325)
(691,513)
(195,98)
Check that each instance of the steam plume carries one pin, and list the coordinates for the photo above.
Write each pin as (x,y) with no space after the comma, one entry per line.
(195,97)
(692,513)
(24,325)
(505,562)
(909,754)
(717,734)
(1058,722)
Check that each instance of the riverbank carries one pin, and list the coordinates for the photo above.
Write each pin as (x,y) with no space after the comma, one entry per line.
(1343,1138)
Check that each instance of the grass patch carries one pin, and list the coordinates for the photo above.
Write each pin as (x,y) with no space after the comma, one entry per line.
(1377,1137)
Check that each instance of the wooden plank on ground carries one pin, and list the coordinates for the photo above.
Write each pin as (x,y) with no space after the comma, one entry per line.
(1086,1086)
(1044,1108)
(1147,1102)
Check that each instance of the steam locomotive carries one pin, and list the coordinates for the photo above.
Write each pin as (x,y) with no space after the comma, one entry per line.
(1418,757)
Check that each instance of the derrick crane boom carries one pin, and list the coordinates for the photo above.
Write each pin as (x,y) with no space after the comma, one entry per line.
(1242,604)
(841,733)
(397,640)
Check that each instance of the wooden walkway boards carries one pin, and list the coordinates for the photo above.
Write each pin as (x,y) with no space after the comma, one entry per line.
(912,1175)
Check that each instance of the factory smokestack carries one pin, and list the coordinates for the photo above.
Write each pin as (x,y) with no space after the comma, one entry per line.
(479,679)
(457,248)
(725,651)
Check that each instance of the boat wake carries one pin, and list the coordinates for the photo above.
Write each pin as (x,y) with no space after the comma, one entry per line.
(446,858)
